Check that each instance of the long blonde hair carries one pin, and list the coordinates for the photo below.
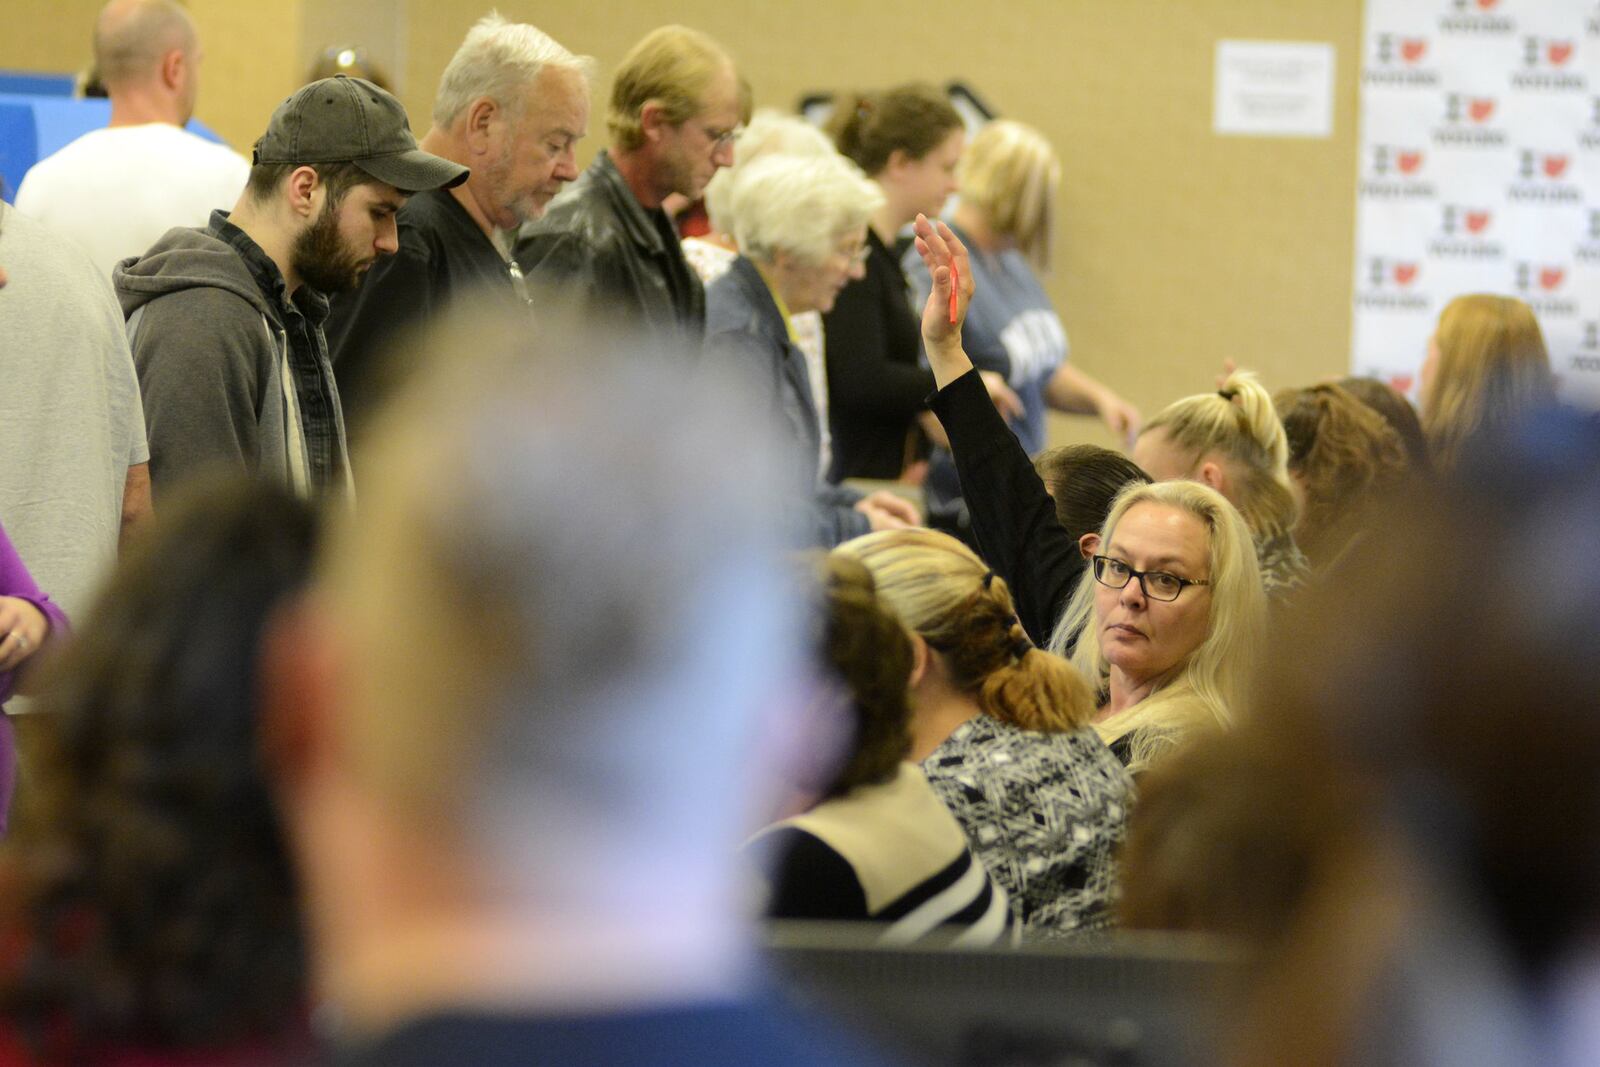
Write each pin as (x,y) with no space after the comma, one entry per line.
(1239,421)
(963,610)
(1010,174)
(1493,368)
(1206,687)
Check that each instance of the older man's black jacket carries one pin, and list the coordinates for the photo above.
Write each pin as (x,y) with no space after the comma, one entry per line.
(598,245)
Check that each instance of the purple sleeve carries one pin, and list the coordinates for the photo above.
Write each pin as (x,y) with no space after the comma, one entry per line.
(16,581)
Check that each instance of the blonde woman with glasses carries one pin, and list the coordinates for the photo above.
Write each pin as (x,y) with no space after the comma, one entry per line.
(1168,612)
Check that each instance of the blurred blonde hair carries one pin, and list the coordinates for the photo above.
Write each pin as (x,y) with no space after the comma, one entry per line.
(1493,368)
(672,66)
(1010,173)
(1205,688)
(951,598)
(1239,422)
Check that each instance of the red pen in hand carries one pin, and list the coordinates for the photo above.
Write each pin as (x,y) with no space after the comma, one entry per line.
(955,285)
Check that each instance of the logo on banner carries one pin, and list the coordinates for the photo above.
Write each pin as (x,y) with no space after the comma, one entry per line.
(1587,358)
(1400,60)
(1469,122)
(1393,284)
(1548,63)
(1543,286)
(1545,178)
(1477,17)
(1588,250)
(1397,173)
(1464,233)
(1590,137)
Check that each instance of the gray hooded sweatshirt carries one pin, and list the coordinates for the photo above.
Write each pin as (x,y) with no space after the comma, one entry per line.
(214,365)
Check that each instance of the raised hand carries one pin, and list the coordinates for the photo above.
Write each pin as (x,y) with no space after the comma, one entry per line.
(941,249)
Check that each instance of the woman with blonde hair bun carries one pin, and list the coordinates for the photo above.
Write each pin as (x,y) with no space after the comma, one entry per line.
(1002,730)
(1233,441)
(1168,618)
(1487,368)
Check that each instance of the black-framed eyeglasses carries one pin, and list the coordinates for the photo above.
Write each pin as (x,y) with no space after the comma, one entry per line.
(1113,573)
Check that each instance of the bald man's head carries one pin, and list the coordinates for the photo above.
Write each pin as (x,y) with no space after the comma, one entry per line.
(133,38)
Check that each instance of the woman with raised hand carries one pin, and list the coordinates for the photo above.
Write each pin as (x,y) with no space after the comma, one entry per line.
(1166,618)
(1002,730)
(908,140)
(1487,369)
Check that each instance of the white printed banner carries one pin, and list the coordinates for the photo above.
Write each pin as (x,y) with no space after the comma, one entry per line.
(1480,172)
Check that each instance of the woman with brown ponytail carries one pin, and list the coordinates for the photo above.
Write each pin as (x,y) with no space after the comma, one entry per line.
(1002,730)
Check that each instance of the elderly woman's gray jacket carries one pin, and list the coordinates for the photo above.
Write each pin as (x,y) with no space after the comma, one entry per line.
(745,329)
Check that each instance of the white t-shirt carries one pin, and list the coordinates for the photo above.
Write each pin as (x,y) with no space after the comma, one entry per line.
(70,420)
(115,191)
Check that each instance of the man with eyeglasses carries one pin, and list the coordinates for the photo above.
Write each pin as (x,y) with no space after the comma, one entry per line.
(607,243)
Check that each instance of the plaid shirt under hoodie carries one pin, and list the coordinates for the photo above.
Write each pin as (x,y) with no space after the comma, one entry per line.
(301,317)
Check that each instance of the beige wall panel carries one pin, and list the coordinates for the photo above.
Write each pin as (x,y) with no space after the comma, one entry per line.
(252,61)
(380,27)
(47,35)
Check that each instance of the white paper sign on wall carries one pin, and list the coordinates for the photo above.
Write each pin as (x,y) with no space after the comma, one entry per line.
(1274,89)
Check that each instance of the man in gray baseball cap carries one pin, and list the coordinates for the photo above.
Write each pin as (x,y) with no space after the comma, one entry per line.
(226,321)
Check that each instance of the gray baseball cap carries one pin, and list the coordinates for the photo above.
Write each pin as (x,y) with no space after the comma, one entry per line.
(350,120)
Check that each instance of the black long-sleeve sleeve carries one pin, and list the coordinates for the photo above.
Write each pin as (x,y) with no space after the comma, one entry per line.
(1013,516)
(810,880)
(876,383)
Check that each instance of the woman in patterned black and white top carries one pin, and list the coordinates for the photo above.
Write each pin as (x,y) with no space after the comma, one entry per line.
(1002,731)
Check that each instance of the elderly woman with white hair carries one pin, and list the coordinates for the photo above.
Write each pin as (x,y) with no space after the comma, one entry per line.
(768,133)
(800,224)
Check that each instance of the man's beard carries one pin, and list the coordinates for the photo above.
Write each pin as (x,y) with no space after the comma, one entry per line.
(497,180)
(321,259)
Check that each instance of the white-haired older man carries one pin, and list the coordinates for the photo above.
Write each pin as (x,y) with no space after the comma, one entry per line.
(512,106)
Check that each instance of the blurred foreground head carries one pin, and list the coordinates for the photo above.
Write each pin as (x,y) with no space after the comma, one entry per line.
(149,886)
(1430,722)
(540,660)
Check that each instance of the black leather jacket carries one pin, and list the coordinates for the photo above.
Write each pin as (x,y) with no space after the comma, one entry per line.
(622,259)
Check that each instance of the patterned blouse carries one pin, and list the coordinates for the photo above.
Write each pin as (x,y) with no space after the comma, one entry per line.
(1284,568)
(1045,813)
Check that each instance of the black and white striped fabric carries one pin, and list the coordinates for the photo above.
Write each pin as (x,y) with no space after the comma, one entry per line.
(890,853)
